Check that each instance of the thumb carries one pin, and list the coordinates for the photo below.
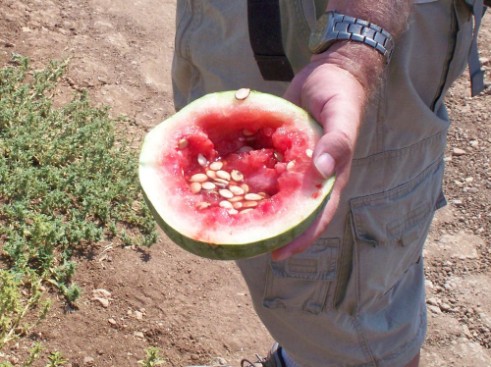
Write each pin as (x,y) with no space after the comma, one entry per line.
(325,164)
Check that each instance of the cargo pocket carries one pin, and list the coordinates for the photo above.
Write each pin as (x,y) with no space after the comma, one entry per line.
(304,282)
(389,231)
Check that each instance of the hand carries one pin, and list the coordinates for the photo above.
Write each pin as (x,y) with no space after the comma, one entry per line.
(336,99)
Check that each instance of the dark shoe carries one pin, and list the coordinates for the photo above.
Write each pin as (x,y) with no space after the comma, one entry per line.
(274,359)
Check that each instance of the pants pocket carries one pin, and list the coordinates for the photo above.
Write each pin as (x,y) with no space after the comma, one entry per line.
(389,230)
(303,282)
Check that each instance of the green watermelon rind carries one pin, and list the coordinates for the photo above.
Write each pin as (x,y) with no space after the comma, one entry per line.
(239,251)
(241,248)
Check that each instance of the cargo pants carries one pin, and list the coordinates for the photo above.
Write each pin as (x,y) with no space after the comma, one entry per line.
(356,297)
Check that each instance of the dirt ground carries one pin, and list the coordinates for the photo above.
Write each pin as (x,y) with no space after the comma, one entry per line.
(198,311)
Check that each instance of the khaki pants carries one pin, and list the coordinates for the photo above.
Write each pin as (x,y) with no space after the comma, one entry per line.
(355,298)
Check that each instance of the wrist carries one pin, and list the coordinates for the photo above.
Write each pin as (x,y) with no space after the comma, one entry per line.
(363,62)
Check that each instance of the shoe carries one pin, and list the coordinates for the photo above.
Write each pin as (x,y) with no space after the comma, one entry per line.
(274,359)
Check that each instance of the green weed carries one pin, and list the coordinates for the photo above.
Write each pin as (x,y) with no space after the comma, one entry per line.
(152,358)
(66,183)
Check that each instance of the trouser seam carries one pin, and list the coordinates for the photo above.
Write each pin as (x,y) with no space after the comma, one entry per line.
(363,343)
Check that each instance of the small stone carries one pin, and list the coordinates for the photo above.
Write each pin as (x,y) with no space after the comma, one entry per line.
(429,284)
(111,321)
(139,334)
(88,361)
(457,152)
(102,296)
(435,309)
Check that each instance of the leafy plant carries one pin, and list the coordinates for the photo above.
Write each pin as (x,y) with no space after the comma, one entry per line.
(55,359)
(152,358)
(66,183)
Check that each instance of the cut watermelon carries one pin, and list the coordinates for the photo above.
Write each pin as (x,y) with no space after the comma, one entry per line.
(231,176)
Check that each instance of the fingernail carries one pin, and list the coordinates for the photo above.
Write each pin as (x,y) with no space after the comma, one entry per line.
(325,165)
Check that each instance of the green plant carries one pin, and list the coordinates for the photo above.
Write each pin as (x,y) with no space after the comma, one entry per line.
(67,182)
(55,359)
(34,353)
(152,358)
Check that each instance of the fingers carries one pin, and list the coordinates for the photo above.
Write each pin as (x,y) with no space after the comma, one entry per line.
(336,99)
(307,238)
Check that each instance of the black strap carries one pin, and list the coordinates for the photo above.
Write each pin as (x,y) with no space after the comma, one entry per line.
(266,41)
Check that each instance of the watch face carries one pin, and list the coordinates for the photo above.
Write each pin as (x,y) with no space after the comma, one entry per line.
(317,40)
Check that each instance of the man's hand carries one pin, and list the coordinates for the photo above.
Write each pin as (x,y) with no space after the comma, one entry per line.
(336,98)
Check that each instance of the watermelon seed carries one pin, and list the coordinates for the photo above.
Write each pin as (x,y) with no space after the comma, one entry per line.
(309,153)
(242,93)
(236,199)
(195,187)
(233,211)
(202,161)
(290,165)
(203,205)
(227,194)
(225,204)
(236,190)
(182,143)
(245,211)
(221,182)
(198,177)
(236,175)
(223,175)
(216,166)
(249,204)
(253,196)
(245,187)
(208,185)
(238,205)
(278,156)
(211,174)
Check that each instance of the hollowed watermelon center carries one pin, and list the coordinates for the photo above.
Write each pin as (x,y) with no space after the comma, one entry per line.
(230,171)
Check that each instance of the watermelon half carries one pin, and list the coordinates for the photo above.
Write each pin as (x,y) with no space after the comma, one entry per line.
(231,175)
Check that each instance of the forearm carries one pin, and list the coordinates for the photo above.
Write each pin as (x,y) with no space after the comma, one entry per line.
(364,62)
(391,15)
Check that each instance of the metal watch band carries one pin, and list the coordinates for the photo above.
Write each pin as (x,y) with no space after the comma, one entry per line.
(344,27)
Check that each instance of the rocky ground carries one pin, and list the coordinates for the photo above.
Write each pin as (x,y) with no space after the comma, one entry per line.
(195,310)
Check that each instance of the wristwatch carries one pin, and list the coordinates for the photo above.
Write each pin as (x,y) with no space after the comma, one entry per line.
(334,27)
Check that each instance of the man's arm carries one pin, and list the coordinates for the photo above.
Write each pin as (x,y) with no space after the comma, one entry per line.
(335,88)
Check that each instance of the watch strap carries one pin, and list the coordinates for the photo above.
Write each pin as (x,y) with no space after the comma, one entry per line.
(344,27)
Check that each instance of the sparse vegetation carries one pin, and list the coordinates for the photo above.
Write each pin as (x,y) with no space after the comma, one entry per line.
(66,183)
